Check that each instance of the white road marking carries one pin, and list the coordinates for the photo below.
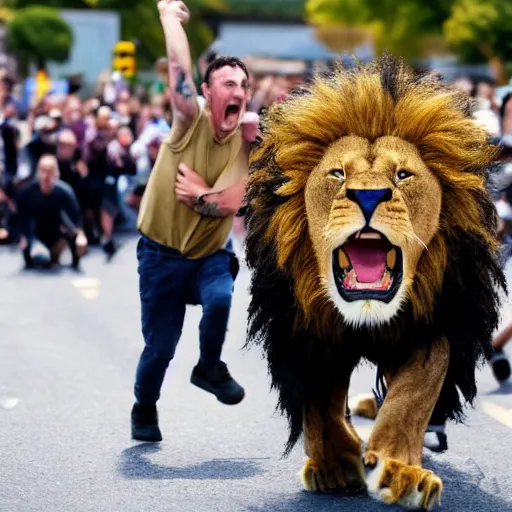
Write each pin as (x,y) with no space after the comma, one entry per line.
(89,287)
(499,413)
(9,403)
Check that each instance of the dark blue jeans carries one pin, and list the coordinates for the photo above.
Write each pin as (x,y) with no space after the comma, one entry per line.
(167,283)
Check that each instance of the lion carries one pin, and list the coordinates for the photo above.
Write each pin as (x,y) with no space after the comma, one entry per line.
(371,237)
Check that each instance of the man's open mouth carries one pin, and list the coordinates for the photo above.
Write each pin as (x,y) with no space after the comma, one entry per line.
(232,110)
(367,266)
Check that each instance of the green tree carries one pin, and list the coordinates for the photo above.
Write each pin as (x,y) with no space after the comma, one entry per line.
(405,27)
(38,34)
(279,9)
(140,22)
(479,30)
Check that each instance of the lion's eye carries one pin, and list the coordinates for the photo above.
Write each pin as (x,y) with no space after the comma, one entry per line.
(403,174)
(338,173)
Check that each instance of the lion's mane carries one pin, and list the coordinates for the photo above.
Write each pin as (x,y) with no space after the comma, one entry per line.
(310,351)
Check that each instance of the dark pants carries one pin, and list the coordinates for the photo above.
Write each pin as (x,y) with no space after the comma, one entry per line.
(50,237)
(167,283)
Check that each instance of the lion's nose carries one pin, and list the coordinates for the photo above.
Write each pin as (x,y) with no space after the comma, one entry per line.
(368,200)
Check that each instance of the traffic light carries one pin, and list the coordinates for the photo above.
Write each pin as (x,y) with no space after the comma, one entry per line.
(124,58)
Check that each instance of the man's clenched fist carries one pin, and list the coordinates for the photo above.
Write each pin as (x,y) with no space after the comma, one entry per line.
(175,8)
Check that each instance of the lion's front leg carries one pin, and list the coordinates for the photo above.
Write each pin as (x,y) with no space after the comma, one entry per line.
(333,448)
(393,458)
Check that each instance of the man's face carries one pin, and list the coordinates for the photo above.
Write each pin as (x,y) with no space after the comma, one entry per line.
(47,174)
(10,110)
(65,150)
(227,97)
(125,137)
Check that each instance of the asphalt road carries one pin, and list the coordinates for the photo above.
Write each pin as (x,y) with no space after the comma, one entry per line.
(68,349)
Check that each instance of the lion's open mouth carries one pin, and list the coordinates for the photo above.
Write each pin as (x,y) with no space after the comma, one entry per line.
(367,266)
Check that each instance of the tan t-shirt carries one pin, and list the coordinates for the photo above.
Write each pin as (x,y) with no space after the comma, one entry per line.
(170,222)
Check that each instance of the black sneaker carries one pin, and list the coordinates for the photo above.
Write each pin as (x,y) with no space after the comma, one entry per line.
(110,249)
(500,366)
(75,262)
(219,382)
(29,262)
(145,423)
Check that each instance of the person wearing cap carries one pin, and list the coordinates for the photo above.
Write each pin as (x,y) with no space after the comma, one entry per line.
(185,253)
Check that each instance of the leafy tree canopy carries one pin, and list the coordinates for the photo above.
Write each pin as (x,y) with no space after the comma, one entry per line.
(480,29)
(402,26)
(39,34)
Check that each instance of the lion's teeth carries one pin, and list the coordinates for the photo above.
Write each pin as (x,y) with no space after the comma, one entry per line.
(371,236)
(343,260)
(391,259)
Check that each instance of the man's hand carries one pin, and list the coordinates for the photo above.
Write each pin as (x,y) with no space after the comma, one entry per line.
(250,123)
(82,169)
(176,8)
(81,244)
(189,185)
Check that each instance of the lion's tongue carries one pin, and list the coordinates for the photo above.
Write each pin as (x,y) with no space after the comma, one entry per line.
(368,258)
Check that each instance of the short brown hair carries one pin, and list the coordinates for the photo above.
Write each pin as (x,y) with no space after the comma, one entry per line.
(220,62)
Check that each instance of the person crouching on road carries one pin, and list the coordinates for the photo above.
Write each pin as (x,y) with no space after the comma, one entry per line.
(48,211)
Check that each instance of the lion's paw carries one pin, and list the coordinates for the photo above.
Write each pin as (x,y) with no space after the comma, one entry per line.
(394,482)
(321,477)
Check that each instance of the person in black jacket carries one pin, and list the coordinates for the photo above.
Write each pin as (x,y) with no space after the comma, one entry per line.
(10,134)
(48,211)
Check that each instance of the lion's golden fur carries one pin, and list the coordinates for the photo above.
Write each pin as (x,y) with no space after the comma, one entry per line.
(433,118)
(297,217)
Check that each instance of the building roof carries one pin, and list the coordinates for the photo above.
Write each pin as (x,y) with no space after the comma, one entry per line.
(278,41)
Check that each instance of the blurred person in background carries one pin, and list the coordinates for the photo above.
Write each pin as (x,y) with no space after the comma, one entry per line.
(9,143)
(10,134)
(98,137)
(45,135)
(134,108)
(49,212)
(120,162)
(73,119)
(145,155)
(72,168)
(486,109)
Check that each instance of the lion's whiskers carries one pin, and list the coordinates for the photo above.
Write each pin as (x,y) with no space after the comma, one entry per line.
(413,236)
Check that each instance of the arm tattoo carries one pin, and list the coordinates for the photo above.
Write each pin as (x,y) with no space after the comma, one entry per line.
(182,87)
(208,209)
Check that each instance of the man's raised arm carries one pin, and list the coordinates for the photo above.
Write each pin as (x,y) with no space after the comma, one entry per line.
(174,13)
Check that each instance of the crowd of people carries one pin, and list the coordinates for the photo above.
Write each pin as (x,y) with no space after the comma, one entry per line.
(104,148)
